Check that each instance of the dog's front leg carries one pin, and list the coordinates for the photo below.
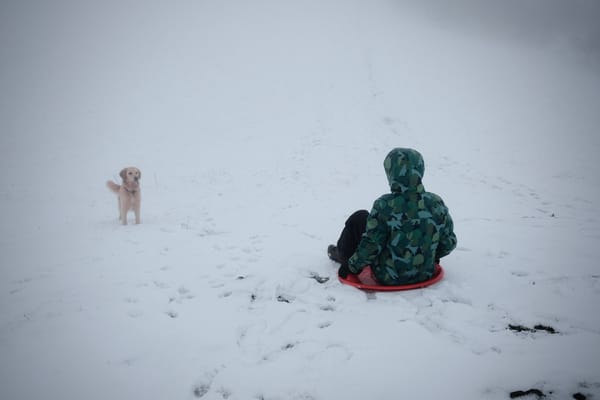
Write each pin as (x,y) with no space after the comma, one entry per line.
(122,211)
(137,204)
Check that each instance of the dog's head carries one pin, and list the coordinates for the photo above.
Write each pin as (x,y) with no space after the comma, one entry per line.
(131,177)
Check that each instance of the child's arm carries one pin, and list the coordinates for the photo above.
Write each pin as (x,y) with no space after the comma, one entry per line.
(447,238)
(372,242)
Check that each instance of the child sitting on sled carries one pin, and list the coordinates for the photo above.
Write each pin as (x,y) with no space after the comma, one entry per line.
(406,233)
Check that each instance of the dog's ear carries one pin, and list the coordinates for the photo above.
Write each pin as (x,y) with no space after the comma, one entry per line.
(139,174)
(123,174)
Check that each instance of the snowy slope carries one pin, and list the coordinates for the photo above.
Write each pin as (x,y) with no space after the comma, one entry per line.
(259,127)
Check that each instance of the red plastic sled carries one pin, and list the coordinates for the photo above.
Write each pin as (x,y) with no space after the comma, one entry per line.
(352,280)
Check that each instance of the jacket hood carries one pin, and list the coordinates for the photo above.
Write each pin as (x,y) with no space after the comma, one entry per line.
(404,169)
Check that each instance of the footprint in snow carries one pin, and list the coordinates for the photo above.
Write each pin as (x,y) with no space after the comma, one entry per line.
(200,390)
(130,300)
(318,278)
(285,348)
(327,307)
(284,298)
(182,294)
(520,274)
(216,284)
(203,386)
(225,394)
(135,313)
(161,285)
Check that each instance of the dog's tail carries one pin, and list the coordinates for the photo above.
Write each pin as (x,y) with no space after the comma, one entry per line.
(113,186)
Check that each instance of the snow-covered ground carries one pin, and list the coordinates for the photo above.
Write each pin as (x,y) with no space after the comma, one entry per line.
(259,127)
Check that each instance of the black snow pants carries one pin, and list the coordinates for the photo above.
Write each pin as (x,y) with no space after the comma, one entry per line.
(350,237)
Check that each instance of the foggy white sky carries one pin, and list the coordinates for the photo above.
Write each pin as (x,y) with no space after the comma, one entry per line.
(574,23)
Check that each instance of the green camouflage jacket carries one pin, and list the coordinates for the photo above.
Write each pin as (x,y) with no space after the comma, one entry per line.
(408,230)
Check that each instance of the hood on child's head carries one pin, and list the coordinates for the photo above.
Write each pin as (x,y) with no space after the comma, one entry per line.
(404,169)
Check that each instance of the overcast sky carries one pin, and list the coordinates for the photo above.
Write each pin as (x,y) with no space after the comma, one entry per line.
(569,22)
(536,21)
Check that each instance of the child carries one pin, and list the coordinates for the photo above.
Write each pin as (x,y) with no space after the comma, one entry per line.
(405,234)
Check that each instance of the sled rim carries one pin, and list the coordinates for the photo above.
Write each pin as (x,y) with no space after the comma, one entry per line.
(438,275)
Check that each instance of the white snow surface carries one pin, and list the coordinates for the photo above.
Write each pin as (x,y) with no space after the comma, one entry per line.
(259,127)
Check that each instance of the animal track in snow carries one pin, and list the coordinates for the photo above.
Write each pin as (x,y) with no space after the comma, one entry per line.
(284,348)
(284,299)
(130,300)
(182,294)
(318,278)
(327,307)
(135,313)
(161,285)
(519,273)
(216,284)
(224,393)
(201,389)
(204,385)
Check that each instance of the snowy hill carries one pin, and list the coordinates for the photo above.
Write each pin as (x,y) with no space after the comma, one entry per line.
(259,127)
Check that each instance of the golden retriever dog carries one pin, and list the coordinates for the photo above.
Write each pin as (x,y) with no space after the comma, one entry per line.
(130,197)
